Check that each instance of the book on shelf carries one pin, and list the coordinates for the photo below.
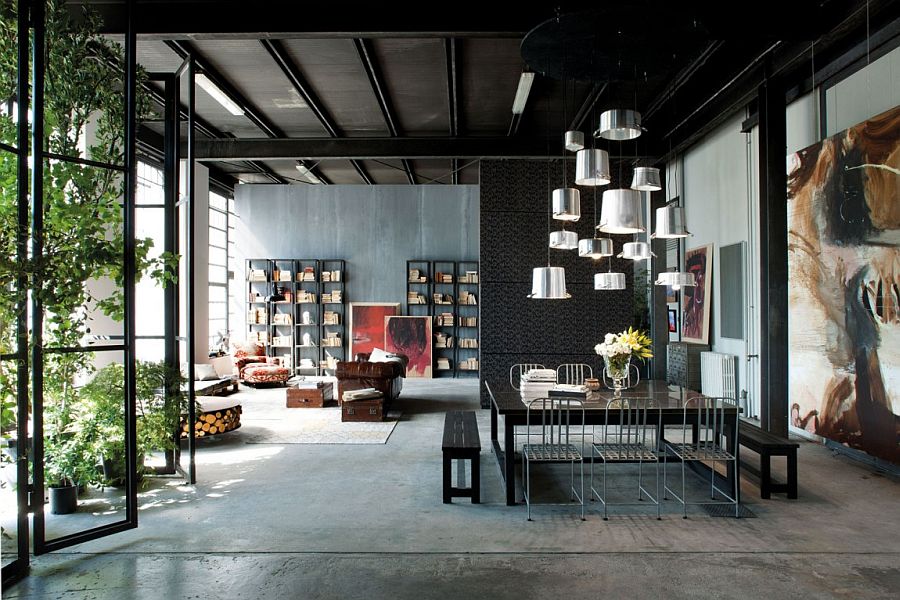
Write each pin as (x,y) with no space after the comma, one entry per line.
(443,364)
(282,341)
(256,297)
(257,316)
(281,276)
(442,340)
(307,274)
(443,277)
(306,363)
(258,337)
(331,276)
(305,297)
(468,322)
(415,298)
(332,340)
(282,319)
(468,343)
(331,318)
(444,319)
(257,275)
(332,297)
(442,298)
(415,276)
(466,297)
(469,277)
(469,364)
(330,361)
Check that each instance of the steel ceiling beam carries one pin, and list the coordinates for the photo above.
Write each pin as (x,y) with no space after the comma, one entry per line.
(184,49)
(290,69)
(367,58)
(373,148)
(452,101)
(586,106)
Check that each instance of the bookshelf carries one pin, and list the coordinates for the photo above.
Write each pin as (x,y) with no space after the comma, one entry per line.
(468,338)
(418,288)
(281,312)
(332,278)
(306,316)
(259,288)
(443,304)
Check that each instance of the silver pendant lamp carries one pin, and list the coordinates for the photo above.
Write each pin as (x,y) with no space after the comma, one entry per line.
(646,179)
(574,141)
(566,204)
(621,212)
(637,251)
(595,247)
(563,240)
(619,124)
(609,281)
(592,167)
(676,280)
(670,223)
(548,283)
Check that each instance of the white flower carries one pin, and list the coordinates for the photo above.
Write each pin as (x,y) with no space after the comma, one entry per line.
(610,338)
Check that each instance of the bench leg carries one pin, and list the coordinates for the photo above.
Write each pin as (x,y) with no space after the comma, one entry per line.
(792,474)
(447,470)
(765,476)
(476,480)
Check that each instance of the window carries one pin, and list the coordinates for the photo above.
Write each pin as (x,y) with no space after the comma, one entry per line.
(149,297)
(219,229)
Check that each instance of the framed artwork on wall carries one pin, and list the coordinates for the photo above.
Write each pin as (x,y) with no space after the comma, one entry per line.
(697,300)
(410,336)
(673,320)
(367,325)
(843,230)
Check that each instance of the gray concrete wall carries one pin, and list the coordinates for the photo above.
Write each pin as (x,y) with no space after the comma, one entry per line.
(376,229)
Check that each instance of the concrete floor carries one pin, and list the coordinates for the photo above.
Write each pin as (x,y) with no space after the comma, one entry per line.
(305,521)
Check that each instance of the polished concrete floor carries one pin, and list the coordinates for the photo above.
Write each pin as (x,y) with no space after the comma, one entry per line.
(316,521)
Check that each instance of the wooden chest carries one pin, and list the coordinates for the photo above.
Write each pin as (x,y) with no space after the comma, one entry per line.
(371,409)
(310,397)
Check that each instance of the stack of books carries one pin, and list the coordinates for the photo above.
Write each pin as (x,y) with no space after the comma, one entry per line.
(470,364)
(258,337)
(443,364)
(330,361)
(415,298)
(466,297)
(281,276)
(469,277)
(416,277)
(537,383)
(308,274)
(282,319)
(331,340)
(468,321)
(442,340)
(331,318)
(443,277)
(565,390)
(444,320)
(442,298)
(332,297)
(306,363)
(257,316)
(363,394)
(304,297)
(329,276)
(257,275)
(468,343)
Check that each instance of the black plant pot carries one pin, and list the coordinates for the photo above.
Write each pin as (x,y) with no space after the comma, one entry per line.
(63,500)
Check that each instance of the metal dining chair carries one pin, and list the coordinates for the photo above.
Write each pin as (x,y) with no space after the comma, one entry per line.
(574,373)
(516,371)
(558,441)
(703,433)
(630,439)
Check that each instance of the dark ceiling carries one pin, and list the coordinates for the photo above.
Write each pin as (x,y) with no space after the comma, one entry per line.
(418,94)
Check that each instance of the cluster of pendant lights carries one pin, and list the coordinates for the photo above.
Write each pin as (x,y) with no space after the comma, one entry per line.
(620,213)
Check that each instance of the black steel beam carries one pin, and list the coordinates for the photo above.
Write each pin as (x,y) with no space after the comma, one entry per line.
(452,101)
(367,58)
(586,107)
(375,148)
(292,72)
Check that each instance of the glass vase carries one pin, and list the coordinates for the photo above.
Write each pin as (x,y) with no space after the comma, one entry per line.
(617,370)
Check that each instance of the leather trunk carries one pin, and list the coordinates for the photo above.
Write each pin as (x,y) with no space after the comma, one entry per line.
(362,410)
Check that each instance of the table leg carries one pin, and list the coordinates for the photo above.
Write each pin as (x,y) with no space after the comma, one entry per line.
(493,423)
(733,469)
(476,479)
(446,478)
(792,474)
(509,460)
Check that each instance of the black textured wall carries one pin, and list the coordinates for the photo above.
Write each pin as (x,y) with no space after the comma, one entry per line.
(515,202)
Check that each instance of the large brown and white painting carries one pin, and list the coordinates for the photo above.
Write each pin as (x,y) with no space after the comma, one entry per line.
(844,282)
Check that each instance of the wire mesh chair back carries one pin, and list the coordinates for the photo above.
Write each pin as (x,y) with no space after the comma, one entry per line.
(574,373)
(705,420)
(558,431)
(516,371)
(629,431)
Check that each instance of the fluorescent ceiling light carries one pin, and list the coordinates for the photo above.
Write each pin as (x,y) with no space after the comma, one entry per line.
(525,81)
(218,95)
(307,175)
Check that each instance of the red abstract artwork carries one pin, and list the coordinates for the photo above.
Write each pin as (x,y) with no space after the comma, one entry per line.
(367,324)
(410,336)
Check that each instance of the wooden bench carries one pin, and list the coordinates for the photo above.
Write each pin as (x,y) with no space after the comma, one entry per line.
(768,445)
(461,442)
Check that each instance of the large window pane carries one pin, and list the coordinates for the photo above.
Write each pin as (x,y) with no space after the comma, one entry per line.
(217,274)
(217,256)
(217,238)
(218,201)
(218,310)
(218,220)
(217,293)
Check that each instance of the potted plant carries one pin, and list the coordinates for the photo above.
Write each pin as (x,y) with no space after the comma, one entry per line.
(67,465)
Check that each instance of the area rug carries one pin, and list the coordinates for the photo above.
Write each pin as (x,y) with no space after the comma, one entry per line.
(318,426)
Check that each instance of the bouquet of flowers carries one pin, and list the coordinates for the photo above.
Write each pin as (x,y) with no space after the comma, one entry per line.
(617,350)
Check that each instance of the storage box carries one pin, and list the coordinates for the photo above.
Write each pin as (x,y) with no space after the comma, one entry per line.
(310,397)
(371,409)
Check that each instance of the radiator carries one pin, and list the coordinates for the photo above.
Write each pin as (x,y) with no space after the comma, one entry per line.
(717,375)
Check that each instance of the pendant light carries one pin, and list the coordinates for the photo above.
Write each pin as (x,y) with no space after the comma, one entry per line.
(548,283)
(636,251)
(592,167)
(595,247)
(566,204)
(573,141)
(609,280)
(563,240)
(619,124)
(646,179)
(621,212)
(670,223)
(675,280)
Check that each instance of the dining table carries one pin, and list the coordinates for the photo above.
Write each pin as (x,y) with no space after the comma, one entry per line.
(667,409)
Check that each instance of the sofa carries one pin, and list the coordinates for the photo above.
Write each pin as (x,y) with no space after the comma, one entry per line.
(214,378)
(386,377)
(253,366)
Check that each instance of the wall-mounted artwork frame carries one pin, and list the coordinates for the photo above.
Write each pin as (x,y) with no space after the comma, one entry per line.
(673,320)
(696,299)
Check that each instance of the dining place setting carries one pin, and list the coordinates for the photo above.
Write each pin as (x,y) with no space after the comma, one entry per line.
(606,424)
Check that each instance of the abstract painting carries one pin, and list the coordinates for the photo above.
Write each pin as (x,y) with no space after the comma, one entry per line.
(410,336)
(844,287)
(695,320)
(673,320)
(367,325)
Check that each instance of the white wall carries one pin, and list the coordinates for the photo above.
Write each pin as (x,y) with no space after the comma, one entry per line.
(866,93)
(201,262)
